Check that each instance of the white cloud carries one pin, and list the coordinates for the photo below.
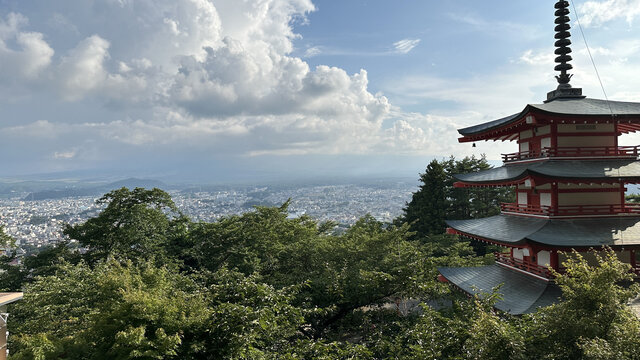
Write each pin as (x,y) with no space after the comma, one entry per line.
(495,27)
(65,155)
(82,70)
(540,58)
(597,13)
(31,54)
(213,77)
(312,51)
(405,46)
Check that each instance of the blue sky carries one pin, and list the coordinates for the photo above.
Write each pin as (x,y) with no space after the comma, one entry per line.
(256,89)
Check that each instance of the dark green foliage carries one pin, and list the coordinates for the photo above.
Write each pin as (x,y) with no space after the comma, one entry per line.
(427,210)
(154,285)
(476,202)
(136,224)
(342,273)
(257,285)
(438,200)
(594,319)
(46,262)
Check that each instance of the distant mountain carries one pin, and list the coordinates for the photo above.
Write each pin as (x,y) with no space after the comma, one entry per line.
(133,183)
(130,183)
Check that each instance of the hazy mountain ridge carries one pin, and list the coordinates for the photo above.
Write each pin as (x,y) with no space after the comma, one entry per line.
(94,190)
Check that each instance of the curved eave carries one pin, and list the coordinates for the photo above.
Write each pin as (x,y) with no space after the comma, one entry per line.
(559,109)
(557,170)
(503,128)
(500,229)
(510,231)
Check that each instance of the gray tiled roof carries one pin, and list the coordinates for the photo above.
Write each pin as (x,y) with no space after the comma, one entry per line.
(583,169)
(521,293)
(589,107)
(516,230)
(581,107)
(503,228)
(489,125)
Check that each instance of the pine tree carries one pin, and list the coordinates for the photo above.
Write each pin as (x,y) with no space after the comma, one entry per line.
(426,211)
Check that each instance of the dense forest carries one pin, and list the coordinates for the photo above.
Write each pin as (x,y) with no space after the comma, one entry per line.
(149,283)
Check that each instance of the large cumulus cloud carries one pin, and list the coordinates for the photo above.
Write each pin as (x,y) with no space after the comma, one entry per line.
(196,75)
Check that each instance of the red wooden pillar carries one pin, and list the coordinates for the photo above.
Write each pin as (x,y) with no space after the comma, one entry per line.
(554,260)
(554,198)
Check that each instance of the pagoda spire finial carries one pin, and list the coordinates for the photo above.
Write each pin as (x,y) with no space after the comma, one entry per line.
(563,58)
(562,43)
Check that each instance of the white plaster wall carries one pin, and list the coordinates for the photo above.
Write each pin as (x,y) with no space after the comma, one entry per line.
(545,142)
(563,128)
(544,130)
(524,146)
(526,134)
(607,198)
(577,141)
(517,253)
(522,198)
(544,258)
(545,199)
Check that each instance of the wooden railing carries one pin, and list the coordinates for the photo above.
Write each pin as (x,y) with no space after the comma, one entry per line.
(526,209)
(572,210)
(588,151)
(507,259)
(536,269)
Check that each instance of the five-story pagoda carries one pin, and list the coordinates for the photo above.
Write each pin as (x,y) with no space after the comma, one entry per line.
(569,177)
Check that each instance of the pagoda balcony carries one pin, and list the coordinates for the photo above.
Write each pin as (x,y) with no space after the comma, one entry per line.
(571,210)
(623,152)
(535,269)
(508,260)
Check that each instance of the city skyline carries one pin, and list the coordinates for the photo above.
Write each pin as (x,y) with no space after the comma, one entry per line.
(227,90)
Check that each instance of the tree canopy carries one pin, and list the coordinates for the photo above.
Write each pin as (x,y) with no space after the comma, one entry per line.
(262,285)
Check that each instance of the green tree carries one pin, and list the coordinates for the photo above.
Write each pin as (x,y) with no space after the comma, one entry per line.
(427,210)
(437,199)
(362,267)
(475,202)
(46,262)
(6,241)
(126,311)
(593,320)
(136,224)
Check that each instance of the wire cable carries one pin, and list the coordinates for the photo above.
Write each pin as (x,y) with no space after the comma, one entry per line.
(575,10)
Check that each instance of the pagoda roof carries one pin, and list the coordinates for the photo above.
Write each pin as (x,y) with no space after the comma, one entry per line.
(560,169)
(514,230)
(570,107)
(521,293)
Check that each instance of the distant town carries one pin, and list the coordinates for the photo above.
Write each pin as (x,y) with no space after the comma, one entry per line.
(37,223)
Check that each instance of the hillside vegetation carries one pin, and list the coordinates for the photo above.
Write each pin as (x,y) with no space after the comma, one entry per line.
(155,285)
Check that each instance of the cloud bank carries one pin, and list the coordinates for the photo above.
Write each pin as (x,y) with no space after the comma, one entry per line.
(197,75)
(598,13)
